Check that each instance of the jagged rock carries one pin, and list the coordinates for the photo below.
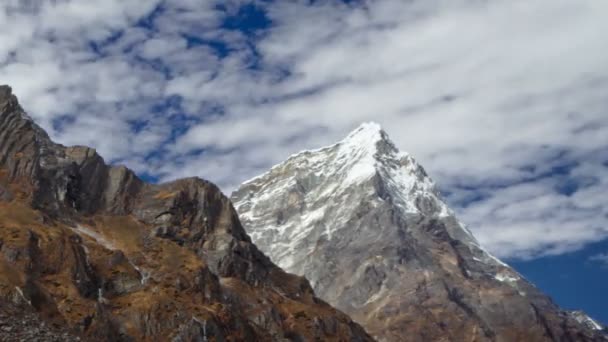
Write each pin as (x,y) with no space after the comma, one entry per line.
(367,226)
(95,250)
(201,331)
(83,275)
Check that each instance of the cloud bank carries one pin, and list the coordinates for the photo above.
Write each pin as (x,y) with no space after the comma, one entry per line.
(502,101)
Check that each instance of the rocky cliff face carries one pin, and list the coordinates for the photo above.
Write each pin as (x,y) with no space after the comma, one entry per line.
(367,226)
(89,251)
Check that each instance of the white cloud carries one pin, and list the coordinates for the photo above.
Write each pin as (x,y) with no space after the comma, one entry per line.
(490,96)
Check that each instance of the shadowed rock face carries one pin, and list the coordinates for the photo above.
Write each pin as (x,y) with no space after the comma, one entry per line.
(95,252)
(366,225)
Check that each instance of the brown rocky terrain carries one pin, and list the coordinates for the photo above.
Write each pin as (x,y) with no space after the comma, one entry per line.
(89,251)
(22,323)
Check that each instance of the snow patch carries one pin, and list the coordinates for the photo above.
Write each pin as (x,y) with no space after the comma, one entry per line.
(584,319)
(100,297)
(506,278)
(20,292)
(143,274)
(378,295)
(203,324)
(356,153)
(95,236)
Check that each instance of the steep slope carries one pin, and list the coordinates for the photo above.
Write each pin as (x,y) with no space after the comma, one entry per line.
(93,252)
(366,225)
(583,318)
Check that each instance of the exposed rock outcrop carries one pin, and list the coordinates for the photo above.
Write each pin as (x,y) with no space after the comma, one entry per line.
(97,252)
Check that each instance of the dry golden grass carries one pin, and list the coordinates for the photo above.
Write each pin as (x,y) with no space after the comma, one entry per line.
(9,277)
(18,215)
(163,195)
(122,231)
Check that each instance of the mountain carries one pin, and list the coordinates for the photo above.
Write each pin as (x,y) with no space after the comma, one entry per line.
(367,226)
(89,251)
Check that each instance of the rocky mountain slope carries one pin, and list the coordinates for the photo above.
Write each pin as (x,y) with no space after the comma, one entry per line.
(367,226)
(91,252)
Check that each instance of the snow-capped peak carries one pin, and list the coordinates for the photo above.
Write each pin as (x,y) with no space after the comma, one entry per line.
(364,166)
(360,152)
(365,153)
(367,133)
(366,225)
(368,139)
(356,156)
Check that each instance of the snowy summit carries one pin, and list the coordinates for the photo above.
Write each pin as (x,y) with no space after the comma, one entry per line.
(369,229)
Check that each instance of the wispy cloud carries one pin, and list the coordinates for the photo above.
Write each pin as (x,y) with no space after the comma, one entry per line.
(502,101)
(601,258)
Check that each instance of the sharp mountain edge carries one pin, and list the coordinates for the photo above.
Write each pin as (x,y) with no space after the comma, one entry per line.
(367,226)
(91,252)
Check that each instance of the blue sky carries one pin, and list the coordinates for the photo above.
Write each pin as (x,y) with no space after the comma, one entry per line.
(574,280)
(503,102)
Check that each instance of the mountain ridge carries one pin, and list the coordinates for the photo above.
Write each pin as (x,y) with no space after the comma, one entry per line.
(95,251)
